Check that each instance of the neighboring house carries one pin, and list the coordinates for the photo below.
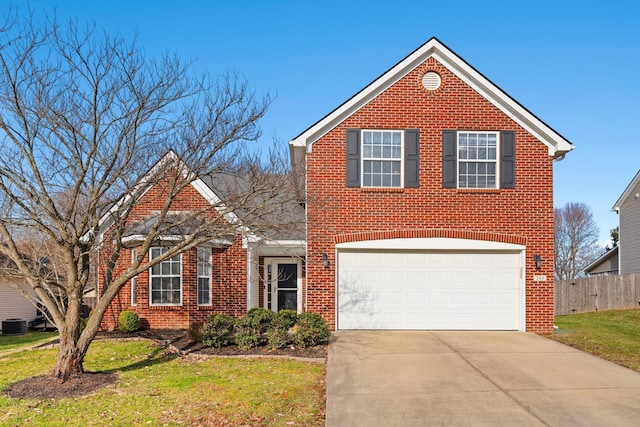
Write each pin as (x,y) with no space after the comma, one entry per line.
(628,209)
(605,265)
(429,205)
(13,303)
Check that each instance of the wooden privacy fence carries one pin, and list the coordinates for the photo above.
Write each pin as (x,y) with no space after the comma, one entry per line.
(597,293)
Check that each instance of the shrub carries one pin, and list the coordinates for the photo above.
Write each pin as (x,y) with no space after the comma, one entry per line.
(278,331)
(195,331)
(311,329)
(248,334)
(261,316)
(127,321)
(217,330)
(289,317)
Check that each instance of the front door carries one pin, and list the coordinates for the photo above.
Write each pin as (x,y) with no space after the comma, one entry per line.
(284,285)
(287,287)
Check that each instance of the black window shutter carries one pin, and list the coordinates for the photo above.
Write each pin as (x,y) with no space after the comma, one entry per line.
(353,157)
(507,159)
(449,159)
(412,158)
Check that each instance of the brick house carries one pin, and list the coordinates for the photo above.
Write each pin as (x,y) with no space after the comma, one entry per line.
(429,205)
(223,275)
(430,194)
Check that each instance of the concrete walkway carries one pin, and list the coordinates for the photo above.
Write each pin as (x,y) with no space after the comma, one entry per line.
(421,378)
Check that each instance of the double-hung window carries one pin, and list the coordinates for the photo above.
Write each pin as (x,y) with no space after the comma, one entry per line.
(382,158)
(478,160)
(165,279)
(204,276)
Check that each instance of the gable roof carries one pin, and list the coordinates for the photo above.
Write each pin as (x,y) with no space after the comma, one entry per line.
(557,144)
(627,192)
(205,185)
(601,259)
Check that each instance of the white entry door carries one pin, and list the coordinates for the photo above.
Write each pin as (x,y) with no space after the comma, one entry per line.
(284,289)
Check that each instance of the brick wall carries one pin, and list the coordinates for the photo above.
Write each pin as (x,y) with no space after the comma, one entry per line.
(229,272)
(523,214)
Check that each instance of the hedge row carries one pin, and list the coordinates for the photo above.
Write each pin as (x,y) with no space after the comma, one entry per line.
(263,327)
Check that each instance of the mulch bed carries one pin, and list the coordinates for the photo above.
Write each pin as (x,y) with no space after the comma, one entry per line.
(43,387)
(176,341)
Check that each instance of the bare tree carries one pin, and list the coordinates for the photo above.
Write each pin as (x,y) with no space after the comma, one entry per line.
(84,119)
(576,240)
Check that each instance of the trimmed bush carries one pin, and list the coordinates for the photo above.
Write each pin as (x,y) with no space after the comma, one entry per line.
(289,317)
(311,329)
(261,317)
(217,330)
(248,334)
(278,331)
(128,321)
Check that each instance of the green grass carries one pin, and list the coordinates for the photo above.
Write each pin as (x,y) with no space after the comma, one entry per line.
(156,388)
(612,335)
(32,338)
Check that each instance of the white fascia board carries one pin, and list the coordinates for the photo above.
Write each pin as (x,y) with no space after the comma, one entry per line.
(362,98)
(213,199)
(557,145)
(627,192)
(602,258)
(432,243)
(209,195)
(140,188)
(282,248)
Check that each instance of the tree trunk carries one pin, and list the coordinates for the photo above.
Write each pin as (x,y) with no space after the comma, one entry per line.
(73,348)
(70,360)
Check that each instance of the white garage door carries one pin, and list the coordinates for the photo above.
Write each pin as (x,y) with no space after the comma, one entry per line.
(383,289)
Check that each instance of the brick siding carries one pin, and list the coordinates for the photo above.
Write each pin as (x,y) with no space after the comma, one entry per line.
(523,215)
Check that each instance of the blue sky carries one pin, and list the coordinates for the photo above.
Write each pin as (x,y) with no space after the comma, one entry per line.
(574,64)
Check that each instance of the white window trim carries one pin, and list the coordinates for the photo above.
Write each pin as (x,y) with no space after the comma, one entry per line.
(134,280)
(210,254)
(362,158)
(458,161)
(273,263)
(151,278)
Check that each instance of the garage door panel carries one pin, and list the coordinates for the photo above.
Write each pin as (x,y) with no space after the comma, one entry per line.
(428,290)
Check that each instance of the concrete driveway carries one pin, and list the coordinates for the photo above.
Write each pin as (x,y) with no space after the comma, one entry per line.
(422,378)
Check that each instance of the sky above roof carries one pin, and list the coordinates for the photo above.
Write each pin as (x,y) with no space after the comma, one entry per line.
(573,64)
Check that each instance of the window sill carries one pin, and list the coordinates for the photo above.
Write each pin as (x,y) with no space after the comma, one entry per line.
(382,189)
(478,190)
(166,306)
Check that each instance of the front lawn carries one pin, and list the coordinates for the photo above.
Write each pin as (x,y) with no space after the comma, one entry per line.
(8,342)
(156,388)
(612,335)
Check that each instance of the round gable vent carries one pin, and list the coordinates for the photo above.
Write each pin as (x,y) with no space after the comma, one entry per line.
(431,80)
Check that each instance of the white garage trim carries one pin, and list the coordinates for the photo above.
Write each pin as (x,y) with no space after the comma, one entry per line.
(431,243)
(366,273)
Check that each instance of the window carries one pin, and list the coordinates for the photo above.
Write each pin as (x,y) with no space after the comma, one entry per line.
(484,160)
(478,160)
(204,276)
(381,158)
(165,278)
(134,280)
